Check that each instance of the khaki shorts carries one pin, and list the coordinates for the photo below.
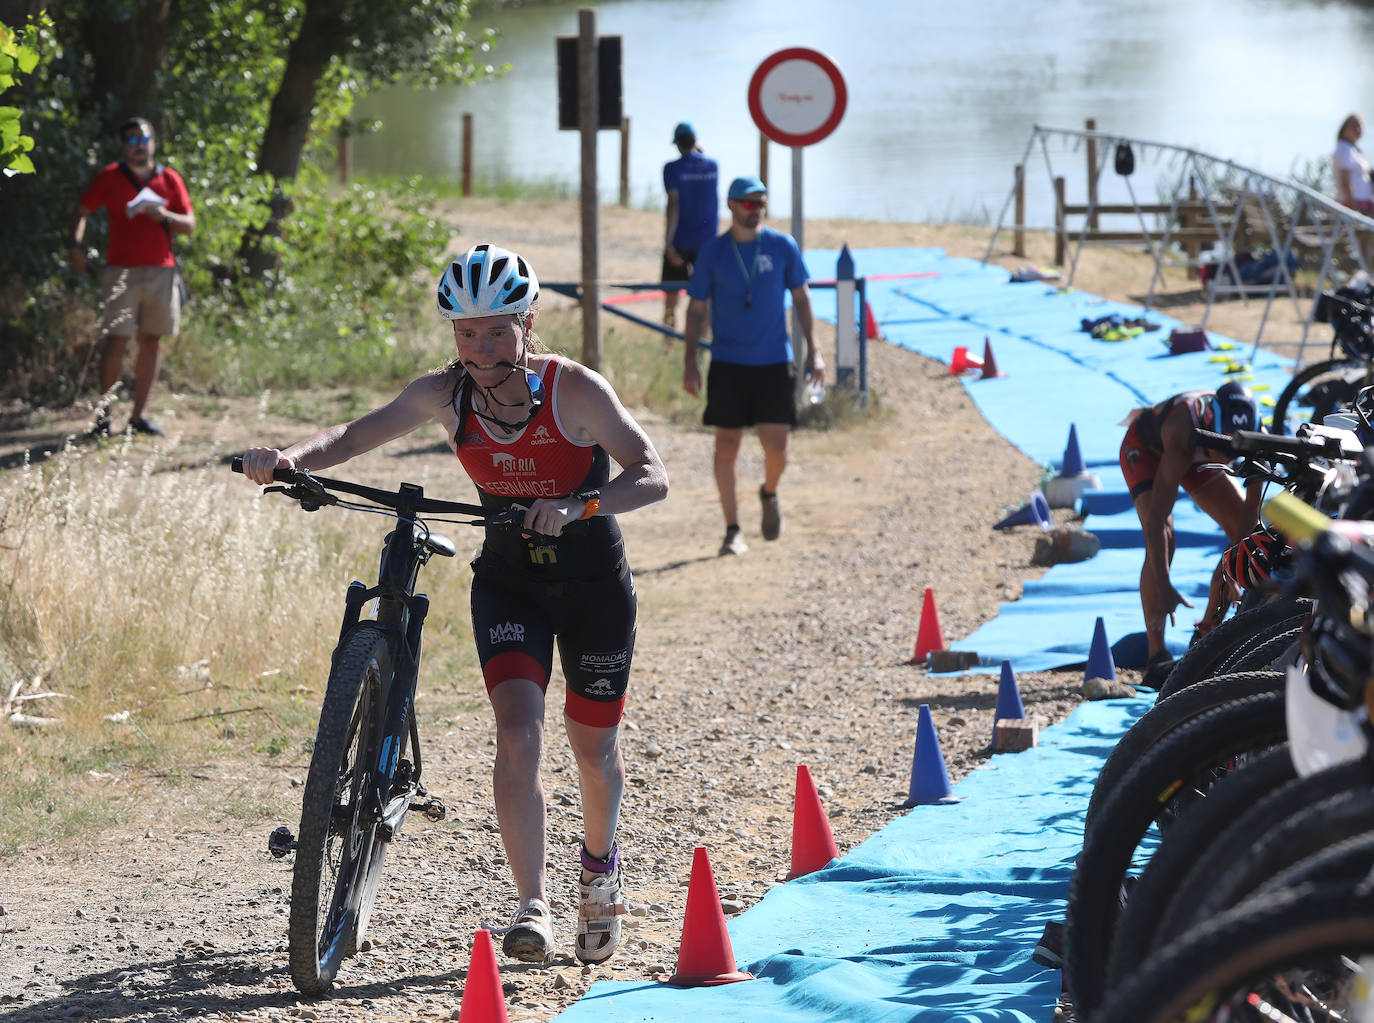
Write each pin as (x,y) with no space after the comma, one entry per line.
(140,300)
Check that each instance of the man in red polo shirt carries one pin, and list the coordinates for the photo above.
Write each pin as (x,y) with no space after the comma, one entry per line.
(147,203)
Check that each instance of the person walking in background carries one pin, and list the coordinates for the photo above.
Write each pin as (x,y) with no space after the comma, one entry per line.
(146,203)
(538,432)
(744,275)
(1157,456)
(1353,186)
(693,212)
(1350,169)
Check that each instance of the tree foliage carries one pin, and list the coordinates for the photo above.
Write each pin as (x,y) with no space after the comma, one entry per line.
(246,97)
(18,56)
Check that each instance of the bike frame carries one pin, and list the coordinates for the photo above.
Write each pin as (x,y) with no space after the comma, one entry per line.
(401,615)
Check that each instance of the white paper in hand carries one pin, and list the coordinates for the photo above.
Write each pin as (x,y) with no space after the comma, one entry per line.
(145,199)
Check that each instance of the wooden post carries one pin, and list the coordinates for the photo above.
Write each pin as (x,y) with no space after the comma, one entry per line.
(588,116)
(1018,237)
(763,158)
(1058,221)
(467,154)
(345,156)
(625,161)
(1091,125)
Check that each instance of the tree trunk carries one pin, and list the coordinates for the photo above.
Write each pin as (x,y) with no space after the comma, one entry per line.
(127,54)
(323,33)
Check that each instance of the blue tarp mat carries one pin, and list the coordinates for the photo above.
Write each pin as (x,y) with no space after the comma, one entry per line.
(1057,375)
(932,919)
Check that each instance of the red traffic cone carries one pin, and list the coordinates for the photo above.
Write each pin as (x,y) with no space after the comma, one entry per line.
(989,363)
(962,361)
(871,330)
(483,999)
(705,958)
(929,635)
(813,843)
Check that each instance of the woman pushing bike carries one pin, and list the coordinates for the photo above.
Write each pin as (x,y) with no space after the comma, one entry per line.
(536,431)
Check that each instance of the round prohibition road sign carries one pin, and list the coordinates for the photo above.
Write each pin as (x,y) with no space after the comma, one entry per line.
(797,96)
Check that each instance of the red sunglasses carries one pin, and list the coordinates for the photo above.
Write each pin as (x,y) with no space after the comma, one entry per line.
(753,204)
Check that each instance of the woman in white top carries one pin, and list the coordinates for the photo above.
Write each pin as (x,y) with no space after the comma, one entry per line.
(1350,169)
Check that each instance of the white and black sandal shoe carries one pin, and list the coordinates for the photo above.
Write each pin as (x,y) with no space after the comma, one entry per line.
(598,915)
(529,938)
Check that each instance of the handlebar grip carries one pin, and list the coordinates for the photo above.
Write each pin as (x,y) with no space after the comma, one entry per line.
(1212,441)
(280,475)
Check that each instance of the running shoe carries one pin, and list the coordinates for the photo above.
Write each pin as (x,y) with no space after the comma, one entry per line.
(733,542)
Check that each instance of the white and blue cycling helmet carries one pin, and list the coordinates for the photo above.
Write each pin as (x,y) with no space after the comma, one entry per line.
(487,280)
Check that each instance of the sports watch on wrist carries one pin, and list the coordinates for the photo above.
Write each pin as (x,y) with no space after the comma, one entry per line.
(592,500)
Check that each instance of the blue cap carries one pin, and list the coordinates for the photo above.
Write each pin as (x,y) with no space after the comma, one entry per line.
(684,129)
(741,187)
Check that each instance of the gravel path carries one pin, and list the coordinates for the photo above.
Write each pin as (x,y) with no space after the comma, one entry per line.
(745,667)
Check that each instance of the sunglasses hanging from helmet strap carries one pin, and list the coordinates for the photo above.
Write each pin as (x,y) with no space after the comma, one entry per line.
(534,384)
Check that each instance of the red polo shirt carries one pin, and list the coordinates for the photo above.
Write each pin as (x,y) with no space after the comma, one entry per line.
(136,241)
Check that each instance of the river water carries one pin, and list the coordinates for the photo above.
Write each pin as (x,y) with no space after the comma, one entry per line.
(942,96)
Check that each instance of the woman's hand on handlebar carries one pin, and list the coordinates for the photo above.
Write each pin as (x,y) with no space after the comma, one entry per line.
(548,516)
(258,464)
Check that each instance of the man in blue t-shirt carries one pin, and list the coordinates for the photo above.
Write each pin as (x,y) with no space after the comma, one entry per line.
(745,275)
(693,215)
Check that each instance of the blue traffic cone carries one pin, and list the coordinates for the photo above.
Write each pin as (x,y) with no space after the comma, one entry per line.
(1035,512)
(1100,664)
(1009,706)
(1073,457)
(929,779)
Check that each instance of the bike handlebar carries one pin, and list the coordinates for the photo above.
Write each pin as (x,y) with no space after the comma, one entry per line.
(1249,442)
(321,486)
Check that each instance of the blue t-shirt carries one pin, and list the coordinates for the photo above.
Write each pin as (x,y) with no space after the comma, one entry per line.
(746,284)
(694,178)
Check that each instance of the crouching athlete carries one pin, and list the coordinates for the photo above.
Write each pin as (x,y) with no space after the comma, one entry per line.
(1157,457)
(537,430)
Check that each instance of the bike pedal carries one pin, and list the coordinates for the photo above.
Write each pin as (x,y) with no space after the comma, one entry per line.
(281,842)
(434,809)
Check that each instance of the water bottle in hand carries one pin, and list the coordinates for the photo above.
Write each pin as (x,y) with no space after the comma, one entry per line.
(815,392)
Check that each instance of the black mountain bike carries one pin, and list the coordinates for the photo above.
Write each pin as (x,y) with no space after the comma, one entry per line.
(365,771)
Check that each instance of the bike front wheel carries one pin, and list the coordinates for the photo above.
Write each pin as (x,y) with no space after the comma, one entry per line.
(337,847)
(1321,388)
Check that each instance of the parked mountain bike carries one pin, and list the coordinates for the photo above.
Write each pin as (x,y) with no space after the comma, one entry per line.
(366,769)
(1273,919)
(1326,386)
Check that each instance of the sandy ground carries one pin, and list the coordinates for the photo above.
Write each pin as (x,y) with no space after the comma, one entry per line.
(745,667)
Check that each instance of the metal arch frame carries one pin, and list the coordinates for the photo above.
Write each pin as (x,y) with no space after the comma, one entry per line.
(1276,198)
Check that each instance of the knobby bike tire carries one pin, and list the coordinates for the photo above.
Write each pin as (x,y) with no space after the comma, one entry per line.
(1234,838)
(1335,808)
(1205,657)
(1173,769)
(1271,653)
(1191,978)
(334,847)
(1348,861)
(1183,846)
(1279,417)
(1167,715)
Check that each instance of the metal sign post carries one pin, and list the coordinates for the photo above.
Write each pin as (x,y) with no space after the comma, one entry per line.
(797,97)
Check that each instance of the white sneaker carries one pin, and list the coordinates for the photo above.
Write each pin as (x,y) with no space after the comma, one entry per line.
(733,543)
(598,916)
(529,938)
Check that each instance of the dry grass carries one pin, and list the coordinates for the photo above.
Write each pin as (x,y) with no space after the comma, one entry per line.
(182,617)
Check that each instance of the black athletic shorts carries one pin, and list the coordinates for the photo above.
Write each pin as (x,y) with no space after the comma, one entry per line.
(678,273)
(515,624)
(739,396)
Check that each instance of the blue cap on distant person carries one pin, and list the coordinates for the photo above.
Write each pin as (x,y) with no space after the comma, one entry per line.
(741,187)
(684,130)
